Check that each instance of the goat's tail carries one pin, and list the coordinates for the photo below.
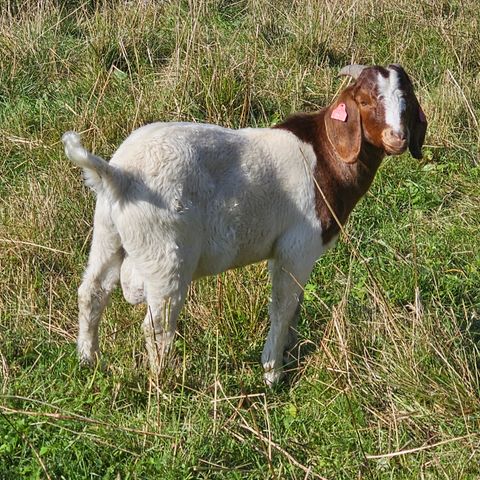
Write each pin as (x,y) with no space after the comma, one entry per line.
(98,173)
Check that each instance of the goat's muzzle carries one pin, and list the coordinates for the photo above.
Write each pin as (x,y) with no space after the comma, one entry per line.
(395,142)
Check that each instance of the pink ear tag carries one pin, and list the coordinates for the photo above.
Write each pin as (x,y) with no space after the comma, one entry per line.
(340,113)
(421,115)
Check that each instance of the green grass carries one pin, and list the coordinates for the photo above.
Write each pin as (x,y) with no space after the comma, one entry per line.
(388,385)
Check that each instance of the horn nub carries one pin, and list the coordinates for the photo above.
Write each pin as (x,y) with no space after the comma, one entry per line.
(353,71)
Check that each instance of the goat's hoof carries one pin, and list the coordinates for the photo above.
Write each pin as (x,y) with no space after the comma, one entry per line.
(159,360)
(273,376)
(90,359)
(71,138)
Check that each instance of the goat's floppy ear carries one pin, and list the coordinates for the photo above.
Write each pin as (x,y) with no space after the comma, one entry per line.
(418,129)
(344,132)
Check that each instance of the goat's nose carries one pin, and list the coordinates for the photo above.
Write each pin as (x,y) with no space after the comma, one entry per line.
(395,142)
(395,136)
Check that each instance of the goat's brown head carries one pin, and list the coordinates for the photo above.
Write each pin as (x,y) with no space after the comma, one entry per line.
(379,108)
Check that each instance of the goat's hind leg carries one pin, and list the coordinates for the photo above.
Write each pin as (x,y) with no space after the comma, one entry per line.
(100,277)
(160,324)
(166,281)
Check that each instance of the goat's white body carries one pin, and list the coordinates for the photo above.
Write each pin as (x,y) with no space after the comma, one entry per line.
(181,201)
(226,196)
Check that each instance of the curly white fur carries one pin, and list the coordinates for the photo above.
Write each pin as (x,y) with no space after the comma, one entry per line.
(179,201)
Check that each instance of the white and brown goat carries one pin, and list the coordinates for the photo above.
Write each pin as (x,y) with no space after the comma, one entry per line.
(179,201)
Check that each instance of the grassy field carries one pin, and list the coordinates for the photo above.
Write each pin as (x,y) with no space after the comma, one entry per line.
(388,386)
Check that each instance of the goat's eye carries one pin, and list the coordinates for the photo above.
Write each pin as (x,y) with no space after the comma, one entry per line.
(363,103)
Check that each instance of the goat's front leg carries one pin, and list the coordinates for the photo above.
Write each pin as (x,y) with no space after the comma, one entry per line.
(287,287)
(292,339)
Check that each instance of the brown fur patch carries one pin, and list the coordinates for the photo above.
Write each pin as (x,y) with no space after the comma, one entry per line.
(341,183)
(349,153)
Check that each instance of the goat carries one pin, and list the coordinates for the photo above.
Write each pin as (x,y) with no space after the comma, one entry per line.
(179,201)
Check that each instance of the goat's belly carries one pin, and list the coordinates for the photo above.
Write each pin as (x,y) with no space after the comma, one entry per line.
(215,259)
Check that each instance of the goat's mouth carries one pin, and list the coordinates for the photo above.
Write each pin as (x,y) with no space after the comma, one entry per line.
(395,148)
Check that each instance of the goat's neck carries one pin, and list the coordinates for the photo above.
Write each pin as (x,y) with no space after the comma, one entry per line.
(338,185)
(362,172)
(342,184)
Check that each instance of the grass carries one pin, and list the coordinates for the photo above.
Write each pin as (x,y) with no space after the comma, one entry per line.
(388,386)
